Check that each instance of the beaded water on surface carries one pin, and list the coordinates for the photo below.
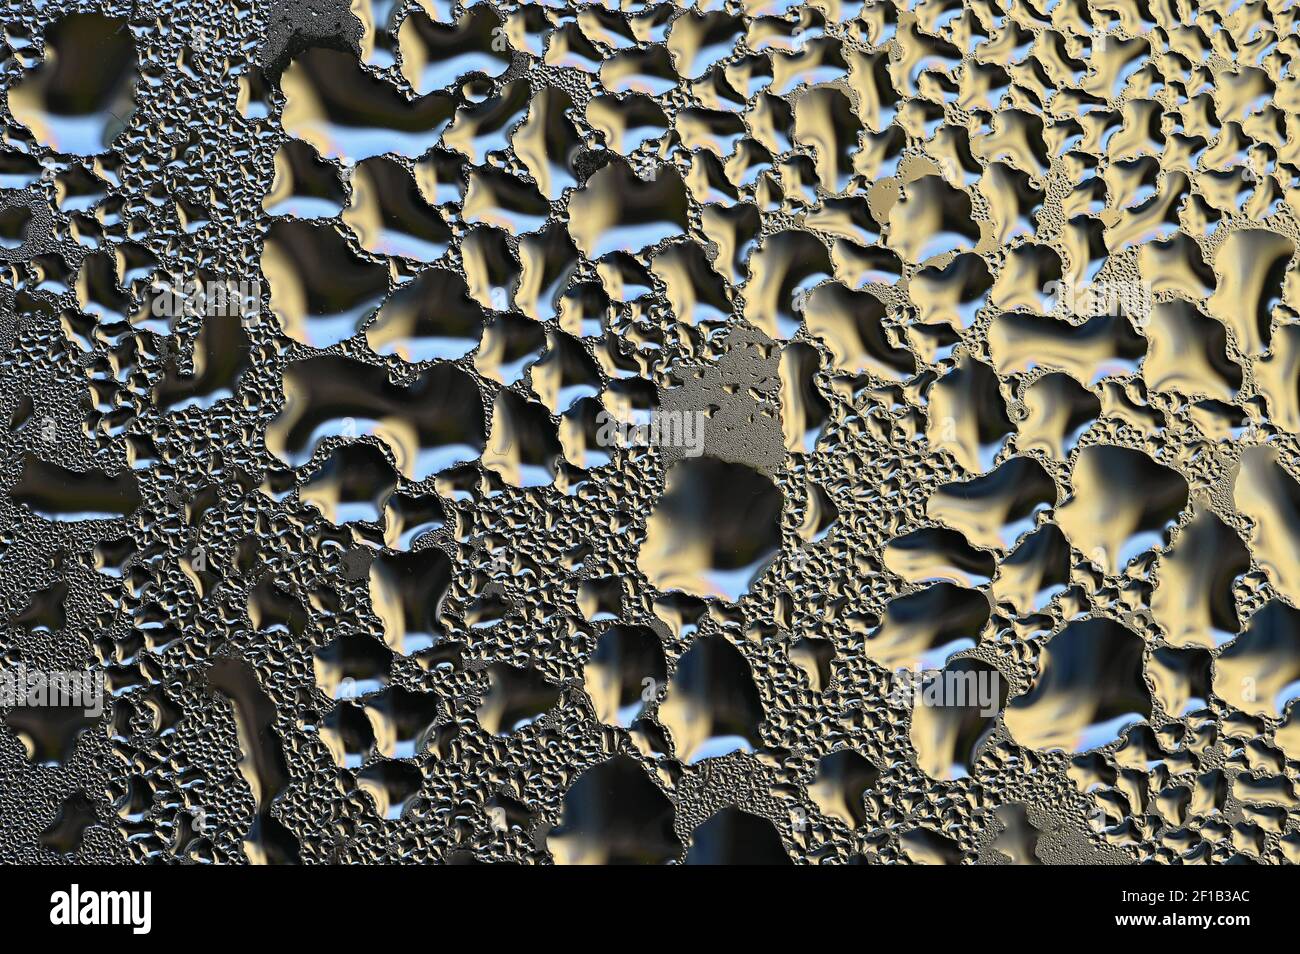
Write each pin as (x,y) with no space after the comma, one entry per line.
(562,432)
